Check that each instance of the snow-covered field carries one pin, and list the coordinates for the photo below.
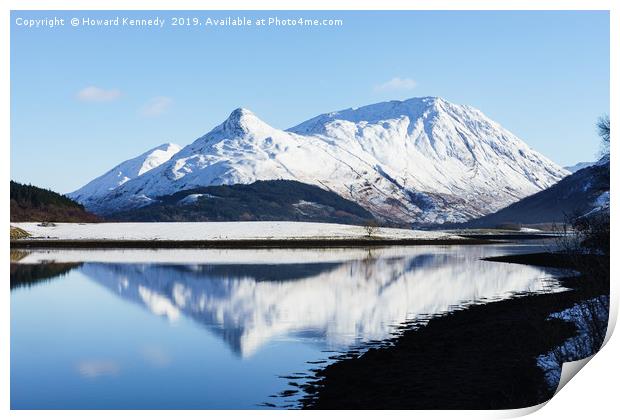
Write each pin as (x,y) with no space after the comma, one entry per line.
(210,231)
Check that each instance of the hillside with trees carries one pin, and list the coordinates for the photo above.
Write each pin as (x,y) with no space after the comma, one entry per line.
(34,204)
(275,200)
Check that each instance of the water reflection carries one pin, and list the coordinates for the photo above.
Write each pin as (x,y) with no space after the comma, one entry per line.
(222,328)
(28,275)
(337,303)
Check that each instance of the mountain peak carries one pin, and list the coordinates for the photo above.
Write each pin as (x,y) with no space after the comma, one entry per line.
(242,120)
(429,161)
(412,108)
(241,113)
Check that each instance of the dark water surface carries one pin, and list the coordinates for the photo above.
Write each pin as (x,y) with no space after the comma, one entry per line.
(224,328)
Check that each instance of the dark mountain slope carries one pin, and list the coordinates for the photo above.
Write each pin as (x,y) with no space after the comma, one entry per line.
(262,200)
(575,195)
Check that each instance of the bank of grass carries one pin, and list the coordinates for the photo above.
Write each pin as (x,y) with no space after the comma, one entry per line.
(17,233)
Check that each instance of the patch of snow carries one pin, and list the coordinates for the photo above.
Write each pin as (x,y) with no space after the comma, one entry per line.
(525,229)
(591,319)
(193,198)
(302,203)
(601,204)
(602,200)
(309,207)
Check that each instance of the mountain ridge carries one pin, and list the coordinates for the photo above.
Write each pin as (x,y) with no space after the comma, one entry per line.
(420,161)
(124,172)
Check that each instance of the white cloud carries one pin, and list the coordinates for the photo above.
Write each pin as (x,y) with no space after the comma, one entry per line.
(97,94)
(396,83)
(156,106)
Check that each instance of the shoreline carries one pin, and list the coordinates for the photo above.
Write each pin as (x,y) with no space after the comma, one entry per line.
(240,243)
(481,356)
(242,235)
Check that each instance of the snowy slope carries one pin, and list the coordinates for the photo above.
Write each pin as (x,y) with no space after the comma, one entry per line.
(120,174)
(423,160)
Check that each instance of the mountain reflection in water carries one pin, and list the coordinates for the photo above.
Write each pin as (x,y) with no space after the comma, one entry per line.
(222,328)
(341,302)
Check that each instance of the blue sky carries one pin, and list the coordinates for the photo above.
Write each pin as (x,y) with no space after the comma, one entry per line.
(84,99)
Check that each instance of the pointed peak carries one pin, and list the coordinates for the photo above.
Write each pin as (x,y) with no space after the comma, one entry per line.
(241,113)
(242,119)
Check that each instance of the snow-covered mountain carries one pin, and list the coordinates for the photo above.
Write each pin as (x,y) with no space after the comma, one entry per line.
(422,160)
(586,192)
(123,172)
(578,166)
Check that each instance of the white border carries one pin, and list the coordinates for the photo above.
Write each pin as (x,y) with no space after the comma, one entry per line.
(592,395)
